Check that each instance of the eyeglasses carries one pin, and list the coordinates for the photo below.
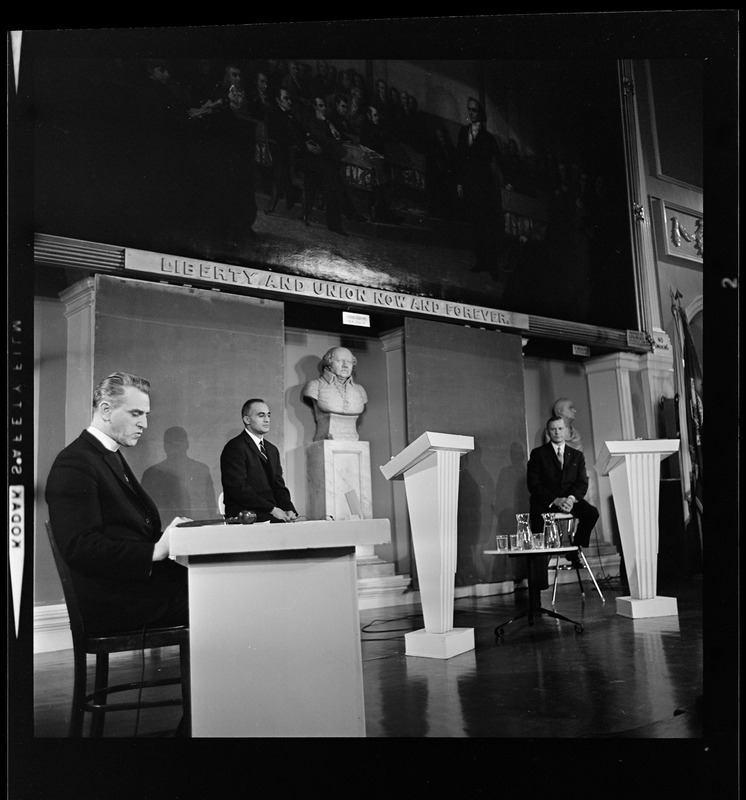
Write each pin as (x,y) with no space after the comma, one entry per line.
(471,108)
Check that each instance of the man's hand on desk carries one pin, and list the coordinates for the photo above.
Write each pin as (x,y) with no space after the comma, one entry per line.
(283,516)
(163,545)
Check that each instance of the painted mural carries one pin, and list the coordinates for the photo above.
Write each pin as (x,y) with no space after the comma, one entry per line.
(498,183)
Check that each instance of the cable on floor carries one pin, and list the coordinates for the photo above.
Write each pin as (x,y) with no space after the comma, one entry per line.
(603,579)
(365,628)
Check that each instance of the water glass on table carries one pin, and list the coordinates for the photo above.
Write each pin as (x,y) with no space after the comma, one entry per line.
(502,543)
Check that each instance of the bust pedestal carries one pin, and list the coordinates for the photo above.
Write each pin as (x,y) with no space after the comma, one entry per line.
(338,427)
(335,468)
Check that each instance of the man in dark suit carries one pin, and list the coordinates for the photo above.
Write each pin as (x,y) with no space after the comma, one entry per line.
(477,156)
(251,472)
(285,134)
(107,528)
(557,482)
(322,165)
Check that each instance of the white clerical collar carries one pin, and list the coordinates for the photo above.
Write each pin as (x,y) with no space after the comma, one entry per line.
(104,438)
(256,439)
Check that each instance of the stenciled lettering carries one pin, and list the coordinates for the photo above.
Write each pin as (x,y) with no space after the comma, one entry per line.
(16,520)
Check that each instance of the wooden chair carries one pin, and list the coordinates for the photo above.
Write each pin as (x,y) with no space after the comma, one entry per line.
(567,525)
(85,644)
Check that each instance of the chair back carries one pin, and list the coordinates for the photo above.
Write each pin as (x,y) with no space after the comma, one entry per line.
(68,590)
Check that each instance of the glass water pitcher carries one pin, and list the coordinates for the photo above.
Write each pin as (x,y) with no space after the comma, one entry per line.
(524,531)
(551,531)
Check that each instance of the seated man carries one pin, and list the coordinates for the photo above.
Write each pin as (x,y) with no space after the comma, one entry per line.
(557,482)
(250,470)
(106,527)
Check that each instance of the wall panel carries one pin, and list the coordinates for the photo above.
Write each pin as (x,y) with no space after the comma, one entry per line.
(204,353)
(469,381)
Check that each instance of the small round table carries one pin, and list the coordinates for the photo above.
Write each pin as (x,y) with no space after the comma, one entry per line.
(534,565)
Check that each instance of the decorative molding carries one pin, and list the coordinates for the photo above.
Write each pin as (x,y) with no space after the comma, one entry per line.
(579,333)
(78,297)
(614,362)
(643,259)
(679,233)
(135,264)
(392,340)
(77,253)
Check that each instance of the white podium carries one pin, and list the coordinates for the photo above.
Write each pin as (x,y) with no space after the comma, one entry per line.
(633,468)
(275,627)
(430,468)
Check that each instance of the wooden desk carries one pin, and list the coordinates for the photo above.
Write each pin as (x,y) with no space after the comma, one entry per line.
(275,627)
(534,564)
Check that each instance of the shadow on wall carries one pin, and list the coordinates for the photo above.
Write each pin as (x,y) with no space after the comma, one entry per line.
(475,520)
(179,485)
(296,407)
(511,498)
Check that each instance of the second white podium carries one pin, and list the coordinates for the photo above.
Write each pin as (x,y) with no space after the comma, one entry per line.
(633,468)
(430,468)
(275,627)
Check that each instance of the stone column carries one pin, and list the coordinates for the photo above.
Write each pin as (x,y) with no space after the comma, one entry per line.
(79,302)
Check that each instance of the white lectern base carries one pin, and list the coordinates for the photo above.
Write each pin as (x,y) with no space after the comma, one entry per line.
(652,607)
(439,645)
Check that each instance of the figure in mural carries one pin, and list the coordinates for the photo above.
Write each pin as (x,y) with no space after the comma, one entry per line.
(477,154)
(336,394)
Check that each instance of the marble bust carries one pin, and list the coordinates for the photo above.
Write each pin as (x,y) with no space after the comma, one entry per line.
(336,397)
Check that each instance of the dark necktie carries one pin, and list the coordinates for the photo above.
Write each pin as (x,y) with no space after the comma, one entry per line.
(117,462)
(262,450)
(129,476)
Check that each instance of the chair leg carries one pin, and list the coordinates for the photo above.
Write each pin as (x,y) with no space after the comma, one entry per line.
(581,554)
(79,689)
(577,573)
(101,682)
(556,577)
(186,688)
